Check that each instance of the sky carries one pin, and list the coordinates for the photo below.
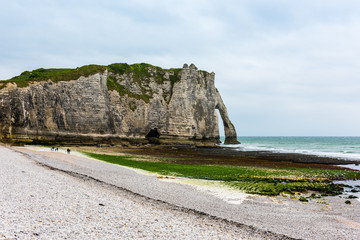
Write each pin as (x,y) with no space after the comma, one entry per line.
(283,68)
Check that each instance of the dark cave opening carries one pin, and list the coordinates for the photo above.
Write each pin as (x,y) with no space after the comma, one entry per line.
(154,133)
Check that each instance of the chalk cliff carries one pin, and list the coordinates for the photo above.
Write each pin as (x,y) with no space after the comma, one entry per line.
(109,103)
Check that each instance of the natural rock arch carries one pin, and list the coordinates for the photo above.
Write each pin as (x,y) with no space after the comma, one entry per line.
(113,103)
(229,129)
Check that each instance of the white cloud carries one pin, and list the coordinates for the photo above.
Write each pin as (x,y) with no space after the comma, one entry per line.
(276,62)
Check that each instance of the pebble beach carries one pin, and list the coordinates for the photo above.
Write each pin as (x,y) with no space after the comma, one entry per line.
(54,195)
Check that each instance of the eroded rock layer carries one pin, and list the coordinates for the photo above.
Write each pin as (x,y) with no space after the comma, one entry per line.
(105,103)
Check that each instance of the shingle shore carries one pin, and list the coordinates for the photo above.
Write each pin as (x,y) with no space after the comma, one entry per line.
(39,203)
(330,218)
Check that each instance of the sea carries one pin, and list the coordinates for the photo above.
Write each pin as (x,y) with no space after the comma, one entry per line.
(336,147)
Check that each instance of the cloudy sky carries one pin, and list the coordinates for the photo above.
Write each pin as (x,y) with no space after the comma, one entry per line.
(283,68)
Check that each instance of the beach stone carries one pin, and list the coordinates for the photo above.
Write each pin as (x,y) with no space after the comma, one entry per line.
(47,204)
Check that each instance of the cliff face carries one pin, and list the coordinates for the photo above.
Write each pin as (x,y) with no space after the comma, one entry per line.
(114,102)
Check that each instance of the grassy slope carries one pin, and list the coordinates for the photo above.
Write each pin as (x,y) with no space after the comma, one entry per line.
(55,74)
(139,72)
(248,179)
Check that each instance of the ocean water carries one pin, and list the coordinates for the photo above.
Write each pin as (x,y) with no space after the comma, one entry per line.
(337,147)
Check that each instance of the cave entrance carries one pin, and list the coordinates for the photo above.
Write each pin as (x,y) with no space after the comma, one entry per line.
(220,125)
(153,136)
(154,133)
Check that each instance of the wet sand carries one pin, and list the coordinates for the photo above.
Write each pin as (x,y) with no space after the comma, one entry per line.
(259,217)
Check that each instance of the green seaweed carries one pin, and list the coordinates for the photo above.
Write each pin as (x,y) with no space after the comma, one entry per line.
(254,180)
(303,199)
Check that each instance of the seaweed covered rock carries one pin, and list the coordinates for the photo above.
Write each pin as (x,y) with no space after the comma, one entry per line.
(108,103)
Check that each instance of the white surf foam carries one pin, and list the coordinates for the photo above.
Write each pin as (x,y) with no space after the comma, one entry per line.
(338,155)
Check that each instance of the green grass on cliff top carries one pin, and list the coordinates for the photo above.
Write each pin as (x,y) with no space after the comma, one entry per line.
(254,180)
(138,70)
(55,74)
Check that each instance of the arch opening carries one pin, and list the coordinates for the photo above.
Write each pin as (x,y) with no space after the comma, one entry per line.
(221,125)
(229,129)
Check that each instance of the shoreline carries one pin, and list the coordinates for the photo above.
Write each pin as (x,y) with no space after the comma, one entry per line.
(230,156)
(329,218)
(340,147)
(222,153)
(41,201)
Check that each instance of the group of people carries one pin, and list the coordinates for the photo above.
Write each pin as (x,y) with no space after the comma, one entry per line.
(57,149)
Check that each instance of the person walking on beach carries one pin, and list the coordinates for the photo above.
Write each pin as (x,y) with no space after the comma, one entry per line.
(68,150)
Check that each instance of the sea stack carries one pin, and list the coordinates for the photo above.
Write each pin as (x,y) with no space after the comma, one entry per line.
(110,104)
